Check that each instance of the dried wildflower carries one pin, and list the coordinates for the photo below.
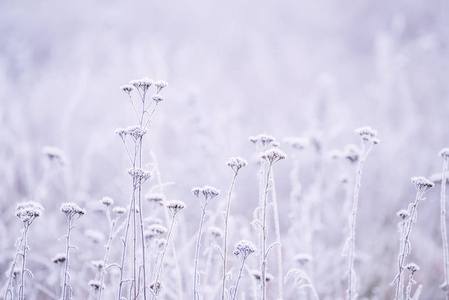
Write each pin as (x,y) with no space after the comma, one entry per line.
(175,206)
(160,85)
(366,133)
(352,153)
(157,98)
(157,229)
(59,258)
(236,163)
(136,131)
(28,211)
(412,267)
(196,191)
(139,175)
(127,88)
(210,192)
(99,264)
(444,153)
(403,214)
(154,197)
(107,201)
(161,243)
(262,139)
(54,154)
(215,231)
(122,132)
(245,248)
(143,83)
(273,155)
(422,184)
(156,287)
(297,143)
(71,209)
(303,258)
(95,284)
(119,210)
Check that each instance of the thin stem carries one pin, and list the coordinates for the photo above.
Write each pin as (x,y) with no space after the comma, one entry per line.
(66,284)
(197,253)
(277,230)
(159,270)
(225,244)
(443,226)
(108,247)
(238,278)
(13,266)
(24,249)
(263,265)
(352,222)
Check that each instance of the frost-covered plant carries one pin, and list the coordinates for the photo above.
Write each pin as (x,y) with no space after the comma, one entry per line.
(266,183)
(243,249)
(410,216)
(144,113)
(445,286)
(301,280)
(73,212)
(412,267)
(368,137)
(235,163)
(208,193)
(174,206)
(27,212)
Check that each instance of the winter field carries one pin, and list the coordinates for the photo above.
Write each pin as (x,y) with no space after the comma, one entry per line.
(224,150)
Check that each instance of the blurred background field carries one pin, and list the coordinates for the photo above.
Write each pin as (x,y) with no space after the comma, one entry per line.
(314,69)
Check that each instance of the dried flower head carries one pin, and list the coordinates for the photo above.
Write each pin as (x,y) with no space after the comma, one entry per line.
(136,131)
(157,229)
(122,132)
(107,201)
(367,133)
(119,210)
(352,153)
(209,192)
(236,163)
(59,258)
(99,264)
(245,248)
(71,209)
(139,175)
(157,98)
(175,205)
(422,184)
(444,152)
(258,276)
(156,287)
(127,88)
(403,214)
(215,231)
(95,284)
(160,84)
(261,139)
(273,155)
(297,143)
(196,191)
(28,211)
(412,267)
(143,83)
(155,198)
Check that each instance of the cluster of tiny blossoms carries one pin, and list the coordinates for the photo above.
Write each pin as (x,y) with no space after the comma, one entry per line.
(367,134)
(207,191)
(422,184)
(273,155)
(175,206)
(72,209)
(135,132)
(143,85)
(28,211)
(245,248)
(236,163)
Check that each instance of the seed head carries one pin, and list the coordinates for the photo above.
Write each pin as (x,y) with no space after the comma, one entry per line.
(71,209)
(127,88)
(175,205)
(302,258)
(54,154)
(99,264)
(444,153)
(157,98)
(262,139)
(59,258)
(119,210)
(236,163)
(403,214)
(210,192)
(28,211)
(122,132)
(155,198)
(136,131)
(107,201)
(367,133)
(157,229)
(139,175)
(143,83)
(273,155)
(412,267)
(258,276)
(245,248)
(215,231)
(422,184)
(95,284)
(160,85)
